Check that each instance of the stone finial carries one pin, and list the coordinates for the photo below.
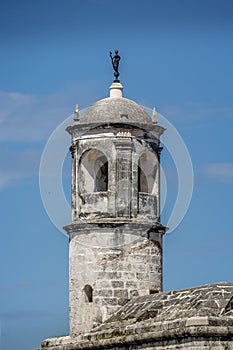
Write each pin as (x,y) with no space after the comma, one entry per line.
(154,116)
(76,113)
(116,90)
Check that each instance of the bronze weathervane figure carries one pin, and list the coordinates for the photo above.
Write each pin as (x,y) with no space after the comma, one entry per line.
(115,63)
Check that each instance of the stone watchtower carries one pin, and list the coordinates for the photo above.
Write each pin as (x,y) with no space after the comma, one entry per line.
(115,234)
(116,242)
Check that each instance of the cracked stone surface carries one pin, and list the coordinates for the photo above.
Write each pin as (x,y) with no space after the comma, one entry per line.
(196,319)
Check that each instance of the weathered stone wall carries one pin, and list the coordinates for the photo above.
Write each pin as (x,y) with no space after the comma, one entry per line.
(127,154)
(186,343)
(198,318)
(117,265)
(121,257)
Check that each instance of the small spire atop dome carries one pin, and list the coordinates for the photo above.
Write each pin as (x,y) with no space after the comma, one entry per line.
(116,90)
(76,113)
(154,116)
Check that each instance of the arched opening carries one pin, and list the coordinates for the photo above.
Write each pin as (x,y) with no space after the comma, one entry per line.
(93,172)
(147,171)
(148,190)
(142,181)
(88,291)
(101,174)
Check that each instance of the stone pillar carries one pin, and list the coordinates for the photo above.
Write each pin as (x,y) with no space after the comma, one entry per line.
(73,150)
(123,177)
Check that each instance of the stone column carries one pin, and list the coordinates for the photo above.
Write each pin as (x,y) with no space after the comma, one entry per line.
(123,177)
(73,150)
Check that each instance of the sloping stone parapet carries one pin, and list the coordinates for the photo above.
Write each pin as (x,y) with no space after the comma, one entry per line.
(192,319)
(173,335)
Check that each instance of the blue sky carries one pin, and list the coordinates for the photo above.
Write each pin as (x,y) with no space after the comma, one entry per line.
(176,55)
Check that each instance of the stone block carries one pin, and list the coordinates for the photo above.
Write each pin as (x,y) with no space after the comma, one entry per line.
(108,301)
(143,276)
(99,284)
(129,275)
(121,293)
(131,284)
(197,321)
(117,284)
(133,293)
(138,258)
(104,293)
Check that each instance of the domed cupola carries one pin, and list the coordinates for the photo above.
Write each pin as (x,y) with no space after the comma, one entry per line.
(115,147)
(116,110)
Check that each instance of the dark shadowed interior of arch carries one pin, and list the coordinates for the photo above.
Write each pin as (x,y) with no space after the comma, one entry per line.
(101,175)
(93,172)
(142,181)
(147,172)
(88,290)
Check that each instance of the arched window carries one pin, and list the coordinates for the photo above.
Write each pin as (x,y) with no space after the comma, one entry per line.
(88,291)
(142,181)
(147,168)
(93,172)
(101,174)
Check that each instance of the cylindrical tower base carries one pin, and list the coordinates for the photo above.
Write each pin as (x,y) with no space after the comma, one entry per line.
(110,264)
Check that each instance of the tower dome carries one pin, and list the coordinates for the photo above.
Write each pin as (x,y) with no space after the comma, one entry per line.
(116,109)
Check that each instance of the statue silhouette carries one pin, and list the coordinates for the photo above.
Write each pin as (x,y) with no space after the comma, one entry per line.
(115,63)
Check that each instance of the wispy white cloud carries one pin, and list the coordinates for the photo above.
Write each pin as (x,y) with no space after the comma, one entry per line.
(29,119)
(221,172)
(32,117)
